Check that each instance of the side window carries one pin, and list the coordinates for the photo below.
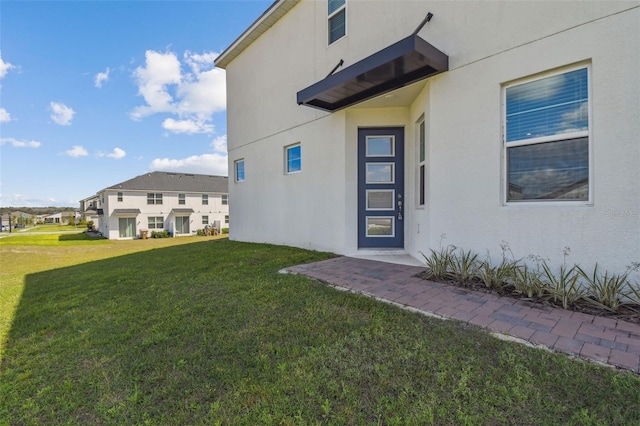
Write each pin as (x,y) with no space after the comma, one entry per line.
(239,170)
(421,163)
(293,158)
(546,138)
(337,20)
(225,199)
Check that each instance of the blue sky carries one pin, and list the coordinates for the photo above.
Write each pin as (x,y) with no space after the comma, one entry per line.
(93,93)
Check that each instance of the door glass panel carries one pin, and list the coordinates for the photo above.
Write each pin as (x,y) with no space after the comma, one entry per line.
(379,172)
(379,226)
(380,146)
(380,200)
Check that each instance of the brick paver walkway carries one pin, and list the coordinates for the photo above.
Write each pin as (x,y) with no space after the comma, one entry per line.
(600,339)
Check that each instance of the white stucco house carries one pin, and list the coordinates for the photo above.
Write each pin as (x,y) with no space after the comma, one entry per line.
(180,203)
(363,127)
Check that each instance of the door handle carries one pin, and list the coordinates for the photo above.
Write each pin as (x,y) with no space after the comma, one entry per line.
(399,206)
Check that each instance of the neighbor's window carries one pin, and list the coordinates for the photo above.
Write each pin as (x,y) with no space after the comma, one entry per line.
(225,199)
(293,158)
(226,219)
(239,170)
(154,198)
(119,196)
(205,199)
(337,20)
(547,138)
(181,199)
(156,222)
(421,162)
(205,220)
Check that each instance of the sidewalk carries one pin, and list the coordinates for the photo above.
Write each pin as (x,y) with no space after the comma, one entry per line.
(598,339)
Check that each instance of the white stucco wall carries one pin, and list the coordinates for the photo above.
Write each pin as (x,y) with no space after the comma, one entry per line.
(489,44)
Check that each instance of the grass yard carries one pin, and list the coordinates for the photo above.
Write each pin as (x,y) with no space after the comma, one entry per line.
(202,330)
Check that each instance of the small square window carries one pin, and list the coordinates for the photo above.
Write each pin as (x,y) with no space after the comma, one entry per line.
(293,158)
(239,170)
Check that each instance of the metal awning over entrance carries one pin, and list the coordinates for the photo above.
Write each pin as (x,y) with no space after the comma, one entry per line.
(410,60)
(181,212)
(126,212)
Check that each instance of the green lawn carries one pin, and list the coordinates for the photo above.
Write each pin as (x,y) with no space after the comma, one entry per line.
(201,330)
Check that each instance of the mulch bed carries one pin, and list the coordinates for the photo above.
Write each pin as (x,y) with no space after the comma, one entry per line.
(626,312)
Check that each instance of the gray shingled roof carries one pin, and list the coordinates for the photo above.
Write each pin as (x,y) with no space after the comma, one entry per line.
(179,182)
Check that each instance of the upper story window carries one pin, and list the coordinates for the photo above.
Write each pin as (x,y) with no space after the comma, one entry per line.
(154,198)
(293,158)
(181,199)
(205,199)
(337,21)
(119,196)
(225,199)
(239,170)
(546,137)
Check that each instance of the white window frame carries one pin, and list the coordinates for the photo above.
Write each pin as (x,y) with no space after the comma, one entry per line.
(157,224)
(330,16)
(224,199)
(154,198)
(235,170)
(205,219)
(205,199)
(182,199)
(288,149)
(545,139)
(120,197)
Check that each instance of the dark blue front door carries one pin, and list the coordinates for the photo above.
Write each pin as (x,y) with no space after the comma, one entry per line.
(381,187)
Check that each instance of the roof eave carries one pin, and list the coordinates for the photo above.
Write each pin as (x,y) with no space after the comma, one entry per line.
(270,16)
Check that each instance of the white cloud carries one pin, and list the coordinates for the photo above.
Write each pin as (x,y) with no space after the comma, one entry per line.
(219,144)
(61,114)
(19,144)
(187,126)
(210,164)
(4,116)
(4,67)
(117,153)
(101,77)
(77,151)
(194,95)
(160,71)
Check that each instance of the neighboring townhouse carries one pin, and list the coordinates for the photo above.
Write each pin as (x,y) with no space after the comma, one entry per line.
(62,218)
(180,203)
(89,210)
(364,127)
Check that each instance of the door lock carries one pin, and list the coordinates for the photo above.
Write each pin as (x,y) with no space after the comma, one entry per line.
(399,206)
